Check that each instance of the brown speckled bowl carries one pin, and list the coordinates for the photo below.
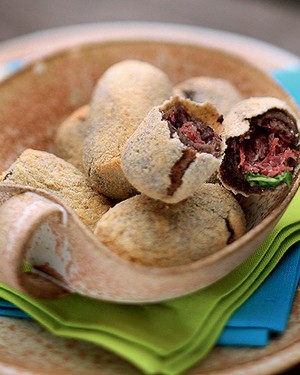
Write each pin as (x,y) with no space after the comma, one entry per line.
(34,102)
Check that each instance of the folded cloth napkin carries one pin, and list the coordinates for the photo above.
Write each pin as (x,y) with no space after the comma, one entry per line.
(289,78)
(9,309)
(11,67)
(267,311)
(171,336)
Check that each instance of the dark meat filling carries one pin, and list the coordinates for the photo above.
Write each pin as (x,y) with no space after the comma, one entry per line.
(269,148)
(189,94)
(7,175)
(193,133)
(178,169)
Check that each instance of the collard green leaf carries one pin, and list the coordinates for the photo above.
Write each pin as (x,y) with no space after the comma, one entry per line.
(258,179)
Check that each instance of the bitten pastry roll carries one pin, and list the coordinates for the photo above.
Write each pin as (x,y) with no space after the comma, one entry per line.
(262,146)
(122,98)
(218,91)
(150,232)
(176,148)
(46,171)
(70,136)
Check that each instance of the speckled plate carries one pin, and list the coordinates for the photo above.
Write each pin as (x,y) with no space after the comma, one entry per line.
(26,348)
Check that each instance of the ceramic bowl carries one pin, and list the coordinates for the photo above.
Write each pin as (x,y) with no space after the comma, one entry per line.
(35,101)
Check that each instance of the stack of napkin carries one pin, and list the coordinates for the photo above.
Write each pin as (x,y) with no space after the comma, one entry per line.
(171,336)
(12,311)
(267,311)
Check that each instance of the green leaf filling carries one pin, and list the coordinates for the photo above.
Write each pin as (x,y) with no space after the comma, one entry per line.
(27,267)
(258,179)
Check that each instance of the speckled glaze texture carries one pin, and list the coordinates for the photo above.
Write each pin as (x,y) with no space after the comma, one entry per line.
(33,219)
(71,77)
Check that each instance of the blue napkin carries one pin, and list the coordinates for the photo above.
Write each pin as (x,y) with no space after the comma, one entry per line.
(10,68)
(10,310)
(289,79)
(267,310)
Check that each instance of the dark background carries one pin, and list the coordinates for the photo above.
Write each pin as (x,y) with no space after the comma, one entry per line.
(274,21)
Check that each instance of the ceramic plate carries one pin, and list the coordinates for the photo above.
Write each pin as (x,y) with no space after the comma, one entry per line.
(26,347)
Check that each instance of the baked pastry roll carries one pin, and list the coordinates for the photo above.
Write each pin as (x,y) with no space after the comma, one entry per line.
(46,171)
(218,91)
(262,145)
(150,232)
(176,148)
(122,98)
(69,138)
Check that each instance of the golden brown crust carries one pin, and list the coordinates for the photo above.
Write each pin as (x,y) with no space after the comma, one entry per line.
(46,171)
(150,154)
(150,232)
(218,91)
(69,138)
(122,98)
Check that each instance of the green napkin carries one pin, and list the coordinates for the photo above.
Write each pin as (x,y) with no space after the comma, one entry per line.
(168,337)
